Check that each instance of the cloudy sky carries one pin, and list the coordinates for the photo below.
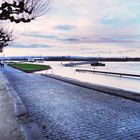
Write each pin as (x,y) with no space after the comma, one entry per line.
(82,28)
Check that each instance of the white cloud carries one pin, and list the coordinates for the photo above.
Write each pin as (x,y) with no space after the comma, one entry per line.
(94,21)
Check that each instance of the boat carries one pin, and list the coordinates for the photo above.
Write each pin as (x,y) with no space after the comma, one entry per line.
(97,64)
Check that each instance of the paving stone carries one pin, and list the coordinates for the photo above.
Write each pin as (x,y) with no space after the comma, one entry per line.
(75,113)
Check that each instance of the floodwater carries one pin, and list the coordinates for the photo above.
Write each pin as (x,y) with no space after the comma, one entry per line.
(126,83)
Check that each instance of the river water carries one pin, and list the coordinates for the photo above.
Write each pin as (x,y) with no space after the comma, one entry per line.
(127,83)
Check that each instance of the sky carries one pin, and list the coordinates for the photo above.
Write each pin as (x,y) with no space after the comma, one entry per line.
(81,28)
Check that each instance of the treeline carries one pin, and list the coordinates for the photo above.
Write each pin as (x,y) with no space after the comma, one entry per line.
(70,58)
(90,59)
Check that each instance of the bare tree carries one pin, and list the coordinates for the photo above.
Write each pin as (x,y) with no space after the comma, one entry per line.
(5,37)
(23,10)
(19,11)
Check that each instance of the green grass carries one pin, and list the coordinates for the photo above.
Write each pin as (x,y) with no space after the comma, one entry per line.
(29,67)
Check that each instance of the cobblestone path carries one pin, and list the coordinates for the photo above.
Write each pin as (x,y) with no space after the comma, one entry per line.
(70,112)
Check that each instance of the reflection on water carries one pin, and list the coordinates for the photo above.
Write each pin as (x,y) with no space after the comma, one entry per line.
(108,80)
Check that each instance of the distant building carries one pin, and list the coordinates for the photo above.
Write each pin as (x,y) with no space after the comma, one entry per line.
(31,60)
(39,60)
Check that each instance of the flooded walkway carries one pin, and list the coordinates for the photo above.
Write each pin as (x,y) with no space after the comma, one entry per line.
(123,82)
(70,112)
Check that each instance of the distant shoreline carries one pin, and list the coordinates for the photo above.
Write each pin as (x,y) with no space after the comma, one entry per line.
(73,58)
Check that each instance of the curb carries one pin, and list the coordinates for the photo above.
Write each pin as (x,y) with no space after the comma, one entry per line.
(29,129)
(104,89)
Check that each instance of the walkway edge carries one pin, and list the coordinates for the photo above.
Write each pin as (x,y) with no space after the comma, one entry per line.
(105,89)
(29,129)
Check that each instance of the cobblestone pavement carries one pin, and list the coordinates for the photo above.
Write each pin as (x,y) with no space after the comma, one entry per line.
(69,112)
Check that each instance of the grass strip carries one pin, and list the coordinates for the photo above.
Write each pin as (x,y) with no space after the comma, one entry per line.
(29,68)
